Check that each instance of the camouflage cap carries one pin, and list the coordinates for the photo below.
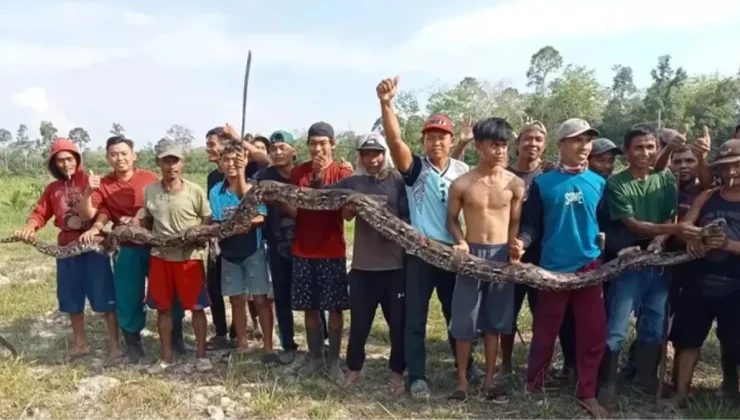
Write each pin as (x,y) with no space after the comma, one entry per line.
(729,152)
(168,147)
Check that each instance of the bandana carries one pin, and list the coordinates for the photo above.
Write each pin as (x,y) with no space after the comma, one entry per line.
(560,166)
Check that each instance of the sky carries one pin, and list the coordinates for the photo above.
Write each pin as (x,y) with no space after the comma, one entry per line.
(151,64)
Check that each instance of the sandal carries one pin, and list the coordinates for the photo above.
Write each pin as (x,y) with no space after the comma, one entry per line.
(458,396)
(496,395)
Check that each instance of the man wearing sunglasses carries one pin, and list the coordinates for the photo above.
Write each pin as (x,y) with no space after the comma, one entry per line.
(427,181)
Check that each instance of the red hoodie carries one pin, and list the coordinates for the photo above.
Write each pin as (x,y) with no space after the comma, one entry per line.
(60,198)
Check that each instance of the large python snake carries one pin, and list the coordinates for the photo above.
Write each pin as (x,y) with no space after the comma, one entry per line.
(374,211)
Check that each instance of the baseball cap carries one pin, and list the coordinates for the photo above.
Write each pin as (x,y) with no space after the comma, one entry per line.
(603,145)
(533,126)
(371,141)
(281,136)
(167,147)
(575,127)
(438,122)
(320,129)
(728,152)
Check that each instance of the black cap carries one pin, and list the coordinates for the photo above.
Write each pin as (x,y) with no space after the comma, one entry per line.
(321,129)
(371,142)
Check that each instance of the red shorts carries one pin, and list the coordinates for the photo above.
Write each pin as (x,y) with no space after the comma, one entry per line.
(182,278)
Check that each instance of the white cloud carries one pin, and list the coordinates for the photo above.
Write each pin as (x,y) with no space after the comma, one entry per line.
(35,100)
(20,56)
(135,18)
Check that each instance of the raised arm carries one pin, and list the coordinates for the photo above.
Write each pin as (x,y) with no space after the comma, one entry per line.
(466,136)
(241,186)
(701,150)
(400,152)
(255,154)
(456,192)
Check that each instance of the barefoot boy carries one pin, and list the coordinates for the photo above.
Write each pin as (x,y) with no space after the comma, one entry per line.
(490,198)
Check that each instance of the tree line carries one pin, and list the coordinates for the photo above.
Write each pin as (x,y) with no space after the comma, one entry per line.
(559,91)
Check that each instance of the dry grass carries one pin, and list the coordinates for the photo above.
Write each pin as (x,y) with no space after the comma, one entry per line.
(41,383)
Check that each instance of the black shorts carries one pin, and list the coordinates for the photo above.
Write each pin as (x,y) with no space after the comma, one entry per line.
(319,284)
(695,314)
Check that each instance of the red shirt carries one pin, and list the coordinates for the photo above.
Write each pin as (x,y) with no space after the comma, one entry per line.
(319,234)
(117,198)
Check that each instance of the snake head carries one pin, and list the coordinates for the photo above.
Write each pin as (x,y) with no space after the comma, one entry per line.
(715,227)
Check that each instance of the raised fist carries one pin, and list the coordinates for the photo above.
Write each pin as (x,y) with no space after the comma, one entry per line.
(387,89)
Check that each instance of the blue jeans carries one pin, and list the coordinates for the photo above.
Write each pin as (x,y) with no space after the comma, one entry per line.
(647,289)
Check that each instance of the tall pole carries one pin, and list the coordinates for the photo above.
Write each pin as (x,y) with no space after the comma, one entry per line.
(244,96)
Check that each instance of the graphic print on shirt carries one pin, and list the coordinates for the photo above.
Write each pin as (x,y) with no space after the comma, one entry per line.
(419,190)
(572,197)
(733,228)
(430,176)
(68,199)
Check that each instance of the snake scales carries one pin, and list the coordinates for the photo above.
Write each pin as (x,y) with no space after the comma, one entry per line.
(373,210)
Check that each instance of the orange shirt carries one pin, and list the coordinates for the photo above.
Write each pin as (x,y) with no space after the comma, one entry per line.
(117,198)
(318,234)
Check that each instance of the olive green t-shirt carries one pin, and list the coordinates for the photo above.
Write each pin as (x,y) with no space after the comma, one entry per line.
(652,200)
(173,212)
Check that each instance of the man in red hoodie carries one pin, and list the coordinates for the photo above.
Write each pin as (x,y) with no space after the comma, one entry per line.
(87,275)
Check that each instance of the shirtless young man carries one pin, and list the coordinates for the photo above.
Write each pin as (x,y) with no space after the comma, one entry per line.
(490,198)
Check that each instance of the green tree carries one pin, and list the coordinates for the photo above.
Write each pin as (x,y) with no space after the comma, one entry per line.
(624,105)
(542,64)
(182,135)
(5,139)
(23,143)
(48,134)
(117,130)
(80,137)
(663,100)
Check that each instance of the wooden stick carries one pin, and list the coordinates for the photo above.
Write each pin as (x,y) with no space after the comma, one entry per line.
(244,95)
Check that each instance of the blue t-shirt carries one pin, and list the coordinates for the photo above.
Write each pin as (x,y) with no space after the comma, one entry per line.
(426,189)
(223,204)
(561,212)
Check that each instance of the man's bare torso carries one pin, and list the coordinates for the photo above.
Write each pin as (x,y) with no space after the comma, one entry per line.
(486,206)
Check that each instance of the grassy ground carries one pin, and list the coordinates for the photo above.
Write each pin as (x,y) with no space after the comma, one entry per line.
(42,384)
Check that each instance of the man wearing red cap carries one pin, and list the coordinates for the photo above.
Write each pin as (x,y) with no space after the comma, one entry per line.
(427,181)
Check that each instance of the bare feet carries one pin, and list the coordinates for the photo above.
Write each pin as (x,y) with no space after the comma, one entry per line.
(352,378)
(115,357)
(396,383)
(672,404)
(594,408)
(79,350)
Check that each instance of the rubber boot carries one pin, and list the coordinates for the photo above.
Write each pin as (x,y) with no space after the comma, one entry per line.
(628,371)
(647,358)
(332,363)
(134,351)
(608,374)
(178,342)
(730,382)
(315,357)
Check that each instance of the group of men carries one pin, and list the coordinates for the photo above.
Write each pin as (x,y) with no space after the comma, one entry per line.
(570,216)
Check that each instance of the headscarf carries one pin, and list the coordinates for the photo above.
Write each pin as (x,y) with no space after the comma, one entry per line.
(360,140)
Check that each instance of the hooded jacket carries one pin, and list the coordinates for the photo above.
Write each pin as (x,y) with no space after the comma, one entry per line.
(61,197)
